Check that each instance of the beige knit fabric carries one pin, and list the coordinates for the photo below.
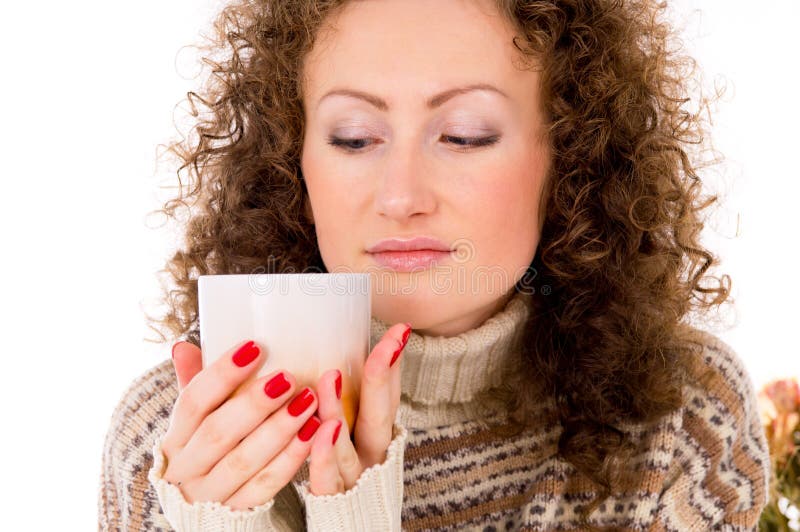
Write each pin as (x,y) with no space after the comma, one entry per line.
(703,467)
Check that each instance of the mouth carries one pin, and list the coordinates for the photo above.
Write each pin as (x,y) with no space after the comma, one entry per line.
(418,243)
(411,260)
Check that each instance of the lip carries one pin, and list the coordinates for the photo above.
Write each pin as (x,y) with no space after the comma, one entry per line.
(418,243)
(409,261)
(406,255)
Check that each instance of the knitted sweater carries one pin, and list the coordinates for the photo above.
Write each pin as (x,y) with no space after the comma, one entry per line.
(703,467)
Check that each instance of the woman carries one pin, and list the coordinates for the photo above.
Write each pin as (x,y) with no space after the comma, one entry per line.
(544,142)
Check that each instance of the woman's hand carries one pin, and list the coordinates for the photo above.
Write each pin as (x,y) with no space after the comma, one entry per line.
(241,450)
(335,463)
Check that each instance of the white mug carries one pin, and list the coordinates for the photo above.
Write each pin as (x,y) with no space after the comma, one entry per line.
(305,323)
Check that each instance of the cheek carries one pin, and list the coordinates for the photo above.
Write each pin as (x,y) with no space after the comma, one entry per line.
(503,213)
(334,209)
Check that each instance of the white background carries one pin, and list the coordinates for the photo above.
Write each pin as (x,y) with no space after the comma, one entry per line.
(89,89)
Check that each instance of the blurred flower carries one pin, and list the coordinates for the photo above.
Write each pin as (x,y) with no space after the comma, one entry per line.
(779,408)
(779,405)
(785,395)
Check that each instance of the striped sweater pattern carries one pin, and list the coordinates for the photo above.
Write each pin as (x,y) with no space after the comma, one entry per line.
(703,467)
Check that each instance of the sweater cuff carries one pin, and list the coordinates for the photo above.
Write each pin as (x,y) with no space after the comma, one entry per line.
(373,503)
(203,515)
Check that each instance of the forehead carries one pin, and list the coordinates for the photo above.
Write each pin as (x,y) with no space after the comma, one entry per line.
(396,46)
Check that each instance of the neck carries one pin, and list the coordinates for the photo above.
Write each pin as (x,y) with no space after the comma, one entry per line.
(442,373)
(469,321)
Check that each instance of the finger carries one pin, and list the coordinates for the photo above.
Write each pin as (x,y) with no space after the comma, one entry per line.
(373,431)
(207,390)
(187,361)
(267,482)
(331,408)
(323,469)
(259,448)
(395,379)
(396,372)
(328,390)
(226,426)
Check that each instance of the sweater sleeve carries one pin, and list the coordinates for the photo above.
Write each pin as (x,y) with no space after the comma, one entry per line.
(373,503)
(719,476)
(133,496)
(282,513)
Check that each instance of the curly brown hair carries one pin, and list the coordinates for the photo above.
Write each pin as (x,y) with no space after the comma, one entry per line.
(619,250)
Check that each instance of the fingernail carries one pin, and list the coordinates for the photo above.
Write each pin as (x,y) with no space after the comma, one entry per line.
(277,386)
(339,384)
(395,355)
(336,433)
(403,342)
(301,402)
(246,354)
(406,334)
(309,428)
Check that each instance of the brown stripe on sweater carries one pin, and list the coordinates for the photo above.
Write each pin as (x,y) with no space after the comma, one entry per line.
(537,451)
(637,486)
(714,380)
(508,466)
(712,446)
(548,483)
(415,452)
(108,502)
(688,484)
(145,389)
(139,487)
(657,526)
(748,466)
(450,518)
(743,461)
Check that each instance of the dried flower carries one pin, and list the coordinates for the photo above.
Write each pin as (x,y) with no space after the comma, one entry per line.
(779,407)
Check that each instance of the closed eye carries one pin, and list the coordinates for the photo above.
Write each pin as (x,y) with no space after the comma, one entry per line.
(357,144)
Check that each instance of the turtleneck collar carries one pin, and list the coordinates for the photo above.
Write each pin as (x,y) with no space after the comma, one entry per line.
(444,370)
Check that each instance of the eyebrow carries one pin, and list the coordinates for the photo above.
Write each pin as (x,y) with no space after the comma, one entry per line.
(432,103)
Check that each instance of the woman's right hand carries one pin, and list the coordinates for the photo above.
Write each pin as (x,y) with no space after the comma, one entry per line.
(242,450)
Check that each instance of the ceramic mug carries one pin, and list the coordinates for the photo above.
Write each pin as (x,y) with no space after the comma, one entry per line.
(305,323)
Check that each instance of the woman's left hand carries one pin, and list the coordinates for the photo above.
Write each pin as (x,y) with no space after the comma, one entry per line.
(334,468)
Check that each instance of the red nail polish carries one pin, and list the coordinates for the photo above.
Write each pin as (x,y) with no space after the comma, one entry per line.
(336,433)
(277,386)
(395,355)
(246,354)
(403,342)
(339,385)
(301,402)
(309,428)
(406,334)
(173,349)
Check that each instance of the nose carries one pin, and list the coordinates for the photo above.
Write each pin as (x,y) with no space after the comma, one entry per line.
(404,189)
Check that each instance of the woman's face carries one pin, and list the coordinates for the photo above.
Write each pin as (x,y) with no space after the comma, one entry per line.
(402,166)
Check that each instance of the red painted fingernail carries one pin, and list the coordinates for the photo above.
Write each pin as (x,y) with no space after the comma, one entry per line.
(339,384)
(301,402)
(277,386)
(309,428)
(395,355)
(403,342)
(246,354)
(406,334)
(336,433)
(173,349)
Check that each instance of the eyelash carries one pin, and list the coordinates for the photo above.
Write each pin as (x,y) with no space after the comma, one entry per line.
(469,142)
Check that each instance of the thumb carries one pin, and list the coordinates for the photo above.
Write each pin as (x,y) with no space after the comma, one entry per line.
(187,360)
